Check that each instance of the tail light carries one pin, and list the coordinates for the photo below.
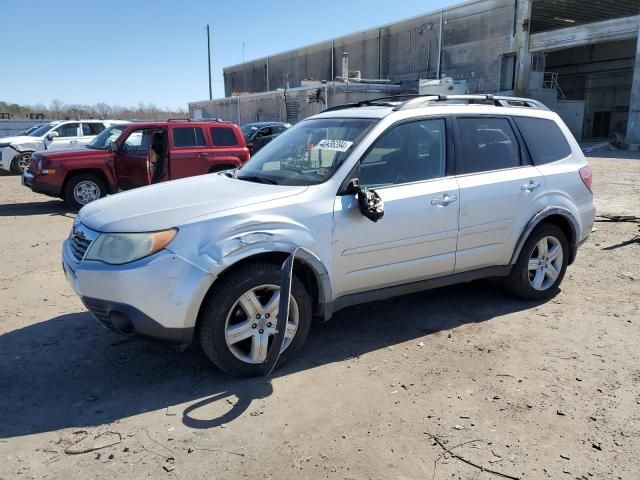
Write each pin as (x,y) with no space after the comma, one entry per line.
(587,176)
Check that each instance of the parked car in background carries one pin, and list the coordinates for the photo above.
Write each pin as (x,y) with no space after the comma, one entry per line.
(258,134)
(378,199)
(15,152)
(129,156)
(28,130)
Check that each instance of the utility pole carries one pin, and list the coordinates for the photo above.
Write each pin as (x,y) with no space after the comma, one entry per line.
(242,52)
(209,60)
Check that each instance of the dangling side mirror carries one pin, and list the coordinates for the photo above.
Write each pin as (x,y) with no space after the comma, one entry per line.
(371,205)
(369,202)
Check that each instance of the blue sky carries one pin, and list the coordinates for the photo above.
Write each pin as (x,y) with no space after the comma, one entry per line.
(126,52)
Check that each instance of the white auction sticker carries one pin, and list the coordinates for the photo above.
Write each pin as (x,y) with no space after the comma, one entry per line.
(335,145)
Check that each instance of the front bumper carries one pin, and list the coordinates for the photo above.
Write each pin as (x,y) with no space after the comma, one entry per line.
(7,154)
(40,184)
(157,297)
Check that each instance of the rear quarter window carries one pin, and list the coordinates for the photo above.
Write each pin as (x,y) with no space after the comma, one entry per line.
(545,140)
(188,137)
(223,137)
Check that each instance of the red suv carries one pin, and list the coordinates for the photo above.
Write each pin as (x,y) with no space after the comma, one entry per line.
(132,155)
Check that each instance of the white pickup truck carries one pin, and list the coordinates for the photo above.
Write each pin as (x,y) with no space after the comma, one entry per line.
(15,152)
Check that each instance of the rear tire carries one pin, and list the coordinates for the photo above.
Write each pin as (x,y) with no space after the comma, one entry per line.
(83,189)
(541,264)
(223,311)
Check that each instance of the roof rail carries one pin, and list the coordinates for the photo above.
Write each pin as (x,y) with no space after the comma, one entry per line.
(179,120)
(391,101)
(483,99)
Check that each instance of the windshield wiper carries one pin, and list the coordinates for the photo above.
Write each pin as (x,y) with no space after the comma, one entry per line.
(258,179)
(91,146)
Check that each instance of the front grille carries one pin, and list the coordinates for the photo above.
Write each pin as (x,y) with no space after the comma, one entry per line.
(80,240)
(79,245)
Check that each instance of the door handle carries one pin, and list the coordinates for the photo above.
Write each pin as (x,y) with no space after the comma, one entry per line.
(203,155)
(529,186)
(73,141)
(444,201)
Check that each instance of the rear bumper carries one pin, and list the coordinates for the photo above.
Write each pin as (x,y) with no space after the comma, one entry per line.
(41,184)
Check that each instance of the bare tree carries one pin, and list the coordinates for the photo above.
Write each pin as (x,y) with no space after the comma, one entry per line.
(56,107)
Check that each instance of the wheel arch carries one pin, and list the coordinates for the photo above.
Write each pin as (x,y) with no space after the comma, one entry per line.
(307,267)
(559,216)
(91,171)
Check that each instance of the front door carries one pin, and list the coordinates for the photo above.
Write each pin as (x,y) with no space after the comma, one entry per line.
(69,137)
(416,238)
(133,159)
(499,191)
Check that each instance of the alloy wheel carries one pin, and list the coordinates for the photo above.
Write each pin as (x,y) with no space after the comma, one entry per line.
(251,323)
(86,192)
(24,161)
(545,263)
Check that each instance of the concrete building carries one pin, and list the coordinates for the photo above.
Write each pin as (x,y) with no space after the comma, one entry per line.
(580,57)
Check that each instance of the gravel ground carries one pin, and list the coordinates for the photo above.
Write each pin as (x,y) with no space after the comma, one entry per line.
(531,390)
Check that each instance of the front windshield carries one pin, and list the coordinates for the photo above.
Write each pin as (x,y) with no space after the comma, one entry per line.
(109,135)
(308,153)
(41,130)
(247,130)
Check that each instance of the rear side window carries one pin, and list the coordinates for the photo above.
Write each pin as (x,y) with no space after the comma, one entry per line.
(223,137)
(188,137)
(487,144)
(92,128)
(68,130)
(545,140)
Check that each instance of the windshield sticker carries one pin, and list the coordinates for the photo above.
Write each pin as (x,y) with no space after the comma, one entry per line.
(335,145)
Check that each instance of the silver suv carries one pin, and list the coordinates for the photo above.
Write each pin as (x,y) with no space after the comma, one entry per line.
(379,199)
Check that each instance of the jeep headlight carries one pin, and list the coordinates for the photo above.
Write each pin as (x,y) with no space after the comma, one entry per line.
(120,248)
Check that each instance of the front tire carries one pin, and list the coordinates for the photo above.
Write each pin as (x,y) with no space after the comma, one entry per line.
(83,189)
(541,264)
(237,321)
(21,162)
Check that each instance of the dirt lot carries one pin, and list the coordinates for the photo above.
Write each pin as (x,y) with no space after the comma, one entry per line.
(549,390)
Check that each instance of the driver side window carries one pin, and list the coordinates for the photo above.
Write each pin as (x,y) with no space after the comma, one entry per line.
(68,130)
(410,152)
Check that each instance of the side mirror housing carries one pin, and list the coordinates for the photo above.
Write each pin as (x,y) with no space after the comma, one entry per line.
(53,135)
(353,187)
(113,147)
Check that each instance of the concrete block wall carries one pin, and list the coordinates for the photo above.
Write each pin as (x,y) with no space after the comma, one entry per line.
(474,36)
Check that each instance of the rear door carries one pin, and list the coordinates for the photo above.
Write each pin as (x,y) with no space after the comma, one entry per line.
(133,166)
(69,136)
(416,238)
(89,131)
(228,149)
(189,151)
(500,191)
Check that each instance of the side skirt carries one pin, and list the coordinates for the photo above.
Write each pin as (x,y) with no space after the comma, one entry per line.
(407,288)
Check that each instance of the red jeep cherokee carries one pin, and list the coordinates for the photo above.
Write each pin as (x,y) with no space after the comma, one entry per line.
(132,155)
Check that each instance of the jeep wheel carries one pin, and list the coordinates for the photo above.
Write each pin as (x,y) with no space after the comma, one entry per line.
(541,265)
(82,189)
(237,323)
(21,162)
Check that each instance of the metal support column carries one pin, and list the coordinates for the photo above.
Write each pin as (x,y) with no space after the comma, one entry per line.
(633,124)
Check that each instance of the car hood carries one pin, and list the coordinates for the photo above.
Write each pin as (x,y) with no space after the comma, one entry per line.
(19,139)
(77,154)
(178,202)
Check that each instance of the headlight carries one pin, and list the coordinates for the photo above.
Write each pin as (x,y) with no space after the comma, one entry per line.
(119,248)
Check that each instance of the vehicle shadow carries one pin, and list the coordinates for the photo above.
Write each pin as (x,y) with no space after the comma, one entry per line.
(52,207)
(69,372)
